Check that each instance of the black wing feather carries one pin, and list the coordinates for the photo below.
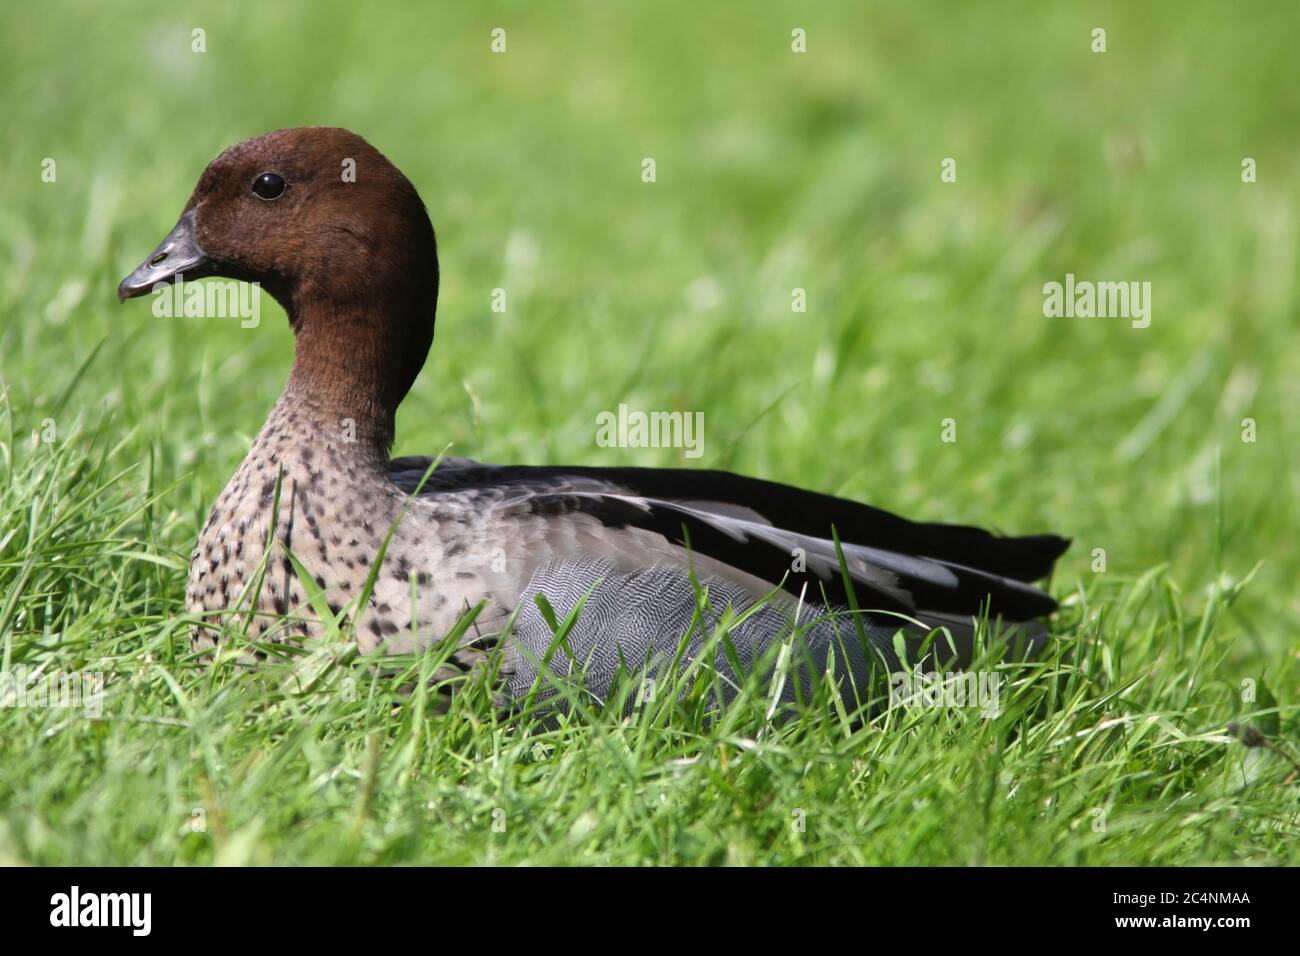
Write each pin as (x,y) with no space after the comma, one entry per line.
(1027,558)
(955,589)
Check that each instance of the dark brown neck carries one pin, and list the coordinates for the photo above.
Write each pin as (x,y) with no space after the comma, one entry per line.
(354,364)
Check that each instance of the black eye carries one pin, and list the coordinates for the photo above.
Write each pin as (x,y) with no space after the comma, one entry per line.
(268,186)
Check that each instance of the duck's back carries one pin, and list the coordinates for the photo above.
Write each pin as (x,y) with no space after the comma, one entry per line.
(640,547)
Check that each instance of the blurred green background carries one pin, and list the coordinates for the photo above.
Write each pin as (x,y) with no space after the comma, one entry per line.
(775,171)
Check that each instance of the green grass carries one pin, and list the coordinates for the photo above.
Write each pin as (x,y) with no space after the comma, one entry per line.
(774,171)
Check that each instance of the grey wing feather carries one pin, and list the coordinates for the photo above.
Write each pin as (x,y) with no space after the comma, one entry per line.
(637,620)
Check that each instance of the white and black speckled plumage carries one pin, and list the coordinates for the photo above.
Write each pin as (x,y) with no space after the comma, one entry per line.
(356,269)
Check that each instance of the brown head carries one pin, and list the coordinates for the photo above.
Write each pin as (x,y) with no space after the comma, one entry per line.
(334,231)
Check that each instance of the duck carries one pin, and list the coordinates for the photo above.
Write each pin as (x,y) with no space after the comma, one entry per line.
(640,562)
